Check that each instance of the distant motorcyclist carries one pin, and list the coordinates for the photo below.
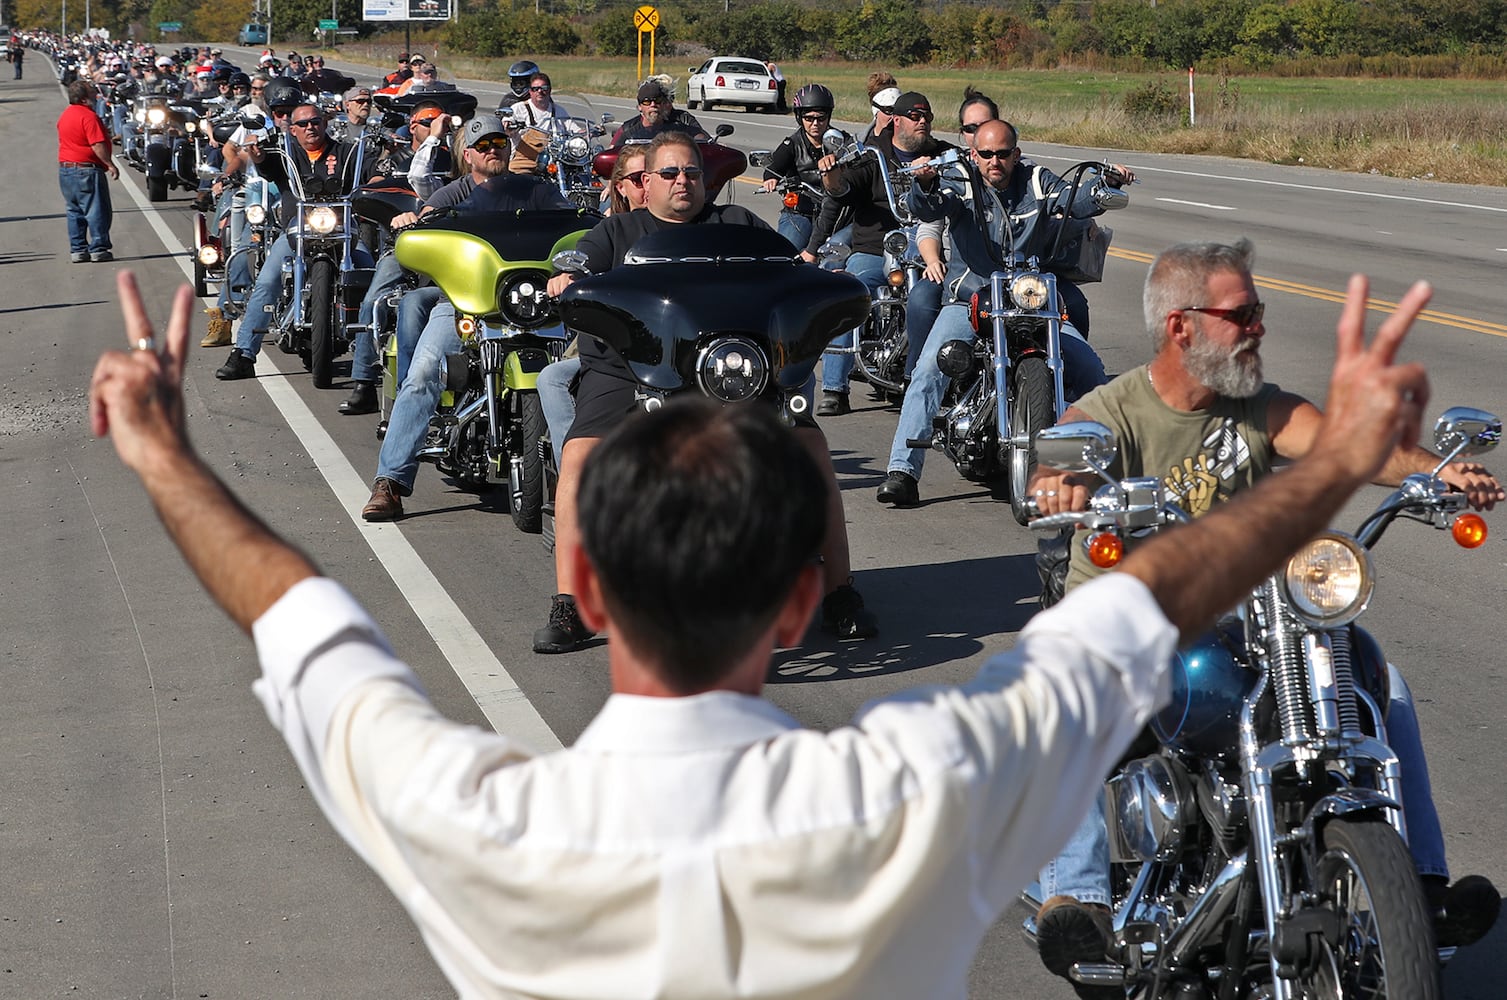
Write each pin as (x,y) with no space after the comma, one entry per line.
(519,75)
(800,153)
(656,114)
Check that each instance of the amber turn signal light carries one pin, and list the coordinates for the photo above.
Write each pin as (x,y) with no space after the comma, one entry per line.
(792,199)
(1469,530)
(1105,550)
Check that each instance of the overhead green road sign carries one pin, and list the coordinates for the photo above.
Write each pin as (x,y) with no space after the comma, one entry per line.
(328,25)
(169,25)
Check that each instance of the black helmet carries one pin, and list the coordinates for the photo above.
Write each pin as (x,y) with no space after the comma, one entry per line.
(240,80)
(282,93)
(813,97)
(519,75)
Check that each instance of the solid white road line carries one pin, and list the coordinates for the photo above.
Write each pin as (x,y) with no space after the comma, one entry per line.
(1199,204)
(498,696)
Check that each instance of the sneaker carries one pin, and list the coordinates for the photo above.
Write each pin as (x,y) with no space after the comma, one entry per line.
(239,366)
(386,503)
(217,333)
(899,489)
(79,258)
(833,404)
(565,632)
(363,399)
(1068,932)
(101,256)
(1463,912)
(844,614)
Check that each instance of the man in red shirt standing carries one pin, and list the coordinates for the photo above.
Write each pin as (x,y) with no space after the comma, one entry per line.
(83,161)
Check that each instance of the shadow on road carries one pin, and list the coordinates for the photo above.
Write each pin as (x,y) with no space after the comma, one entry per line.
(51,305)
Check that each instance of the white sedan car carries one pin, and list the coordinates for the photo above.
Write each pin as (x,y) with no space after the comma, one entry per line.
(731,80)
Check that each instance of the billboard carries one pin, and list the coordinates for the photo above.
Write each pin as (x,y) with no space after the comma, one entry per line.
(405,10)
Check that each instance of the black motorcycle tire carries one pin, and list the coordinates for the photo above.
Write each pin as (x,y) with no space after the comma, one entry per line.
(156,189)
(526,497)
(321,321)
(1031,411)
(201,286)
(1394,937)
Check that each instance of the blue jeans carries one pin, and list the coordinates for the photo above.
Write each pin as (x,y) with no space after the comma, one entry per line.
(238,236)
(868,268)
(269,280)
(418,399)
(921,310)
(795,227)
(558,404)
(1081,870)
(86,200)
(1082,371)
(365,364)
(414,311)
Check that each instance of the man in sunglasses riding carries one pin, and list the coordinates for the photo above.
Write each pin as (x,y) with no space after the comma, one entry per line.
(657,113)
(1201,417)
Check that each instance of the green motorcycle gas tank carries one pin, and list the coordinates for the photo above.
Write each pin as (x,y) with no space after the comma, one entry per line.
(468,256)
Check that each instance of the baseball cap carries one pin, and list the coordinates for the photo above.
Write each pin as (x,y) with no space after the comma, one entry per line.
(482,126)
(355,92)
(886,98)
(164,61)
(911,101)
(417,58)
(653,90)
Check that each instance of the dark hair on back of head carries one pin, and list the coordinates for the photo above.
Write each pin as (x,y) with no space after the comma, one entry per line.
(972,96)
(698,519)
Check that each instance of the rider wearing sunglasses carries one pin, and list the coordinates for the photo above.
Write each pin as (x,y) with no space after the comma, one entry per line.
(859,188)
(605,393)
(537,111)
(656,114)
(800,153)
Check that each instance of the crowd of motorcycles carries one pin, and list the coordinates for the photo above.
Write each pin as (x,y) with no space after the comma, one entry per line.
(1258,839)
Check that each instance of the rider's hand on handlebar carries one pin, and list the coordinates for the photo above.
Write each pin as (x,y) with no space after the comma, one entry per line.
(558,283)
(403,219)
(1119,175)
(1481,489)
(921,170)
(770,183)
(1058,492)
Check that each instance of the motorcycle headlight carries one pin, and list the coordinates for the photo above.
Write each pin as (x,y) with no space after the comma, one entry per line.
(896,243)
(1328,583)
(1029,291)
(156,116)
(321,219)
(523,301)
(576,148)
(732,369)
(209,255)
(955,358)
(140,116)
(190,127)
(256,214)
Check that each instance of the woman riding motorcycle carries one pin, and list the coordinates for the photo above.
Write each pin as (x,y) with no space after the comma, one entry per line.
(800,154)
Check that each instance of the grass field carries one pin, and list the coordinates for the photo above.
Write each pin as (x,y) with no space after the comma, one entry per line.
(1445,130)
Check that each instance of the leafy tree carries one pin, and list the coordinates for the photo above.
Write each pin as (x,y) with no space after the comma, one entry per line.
(1126,27)
(883,32)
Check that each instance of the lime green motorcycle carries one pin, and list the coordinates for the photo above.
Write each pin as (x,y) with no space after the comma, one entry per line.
(493,267)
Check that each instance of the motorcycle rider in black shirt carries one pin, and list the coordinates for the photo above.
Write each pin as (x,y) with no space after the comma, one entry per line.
(800,154)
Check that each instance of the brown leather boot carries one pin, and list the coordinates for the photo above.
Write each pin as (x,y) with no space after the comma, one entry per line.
(386,503)
(218,332)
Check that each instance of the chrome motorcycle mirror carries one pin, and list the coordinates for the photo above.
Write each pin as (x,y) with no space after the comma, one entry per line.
(1078,446)
(1110,198)
(760,157)
(832,141)
(1463,431)
(570,262)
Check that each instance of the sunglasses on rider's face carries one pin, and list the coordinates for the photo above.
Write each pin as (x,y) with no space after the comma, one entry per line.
(257,90)
(816,116)
(307,123)
(1246,317)
(970,128)
(281,112)
(540,90)
(359,100)
(670,173)
(488,145)
(989,154)
(636,178)
(918,115)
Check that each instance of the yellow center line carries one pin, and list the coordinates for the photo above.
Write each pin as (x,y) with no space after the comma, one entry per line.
(1468,323)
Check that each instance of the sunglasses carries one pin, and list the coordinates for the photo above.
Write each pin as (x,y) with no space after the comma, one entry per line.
(1246,317)
(970,129)
(816,116)
(281,112)
(918,115)
(540,90)
(989,154)
(637,177)
(307,123)
(670,173)
(426,122)
(656,100)
(488,145)
(359,100)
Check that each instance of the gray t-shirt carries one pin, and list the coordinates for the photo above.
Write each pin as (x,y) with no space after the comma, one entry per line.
(451,194)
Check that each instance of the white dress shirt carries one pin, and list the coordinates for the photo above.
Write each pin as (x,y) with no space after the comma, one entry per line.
(709,846)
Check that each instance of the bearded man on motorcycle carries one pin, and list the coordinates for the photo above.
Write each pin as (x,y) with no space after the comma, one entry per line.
(860,188)
(657,113)
(316,158)
(605,395)
(1000,207)
(1200,416)
(800,154)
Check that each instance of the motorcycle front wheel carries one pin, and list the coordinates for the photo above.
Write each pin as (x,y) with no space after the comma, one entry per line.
(1031,411)
(526,476)
(1386,940)
(321,321)
(156,189)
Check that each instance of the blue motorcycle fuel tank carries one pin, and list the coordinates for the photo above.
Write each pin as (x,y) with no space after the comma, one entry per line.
(1209,686)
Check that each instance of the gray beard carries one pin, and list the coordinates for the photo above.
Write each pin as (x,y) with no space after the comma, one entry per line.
(1222,370)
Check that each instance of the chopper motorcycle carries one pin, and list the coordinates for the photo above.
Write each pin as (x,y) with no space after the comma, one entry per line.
(1260,849)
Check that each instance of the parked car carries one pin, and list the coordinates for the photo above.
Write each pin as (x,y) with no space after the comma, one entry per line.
(732,80)
(252,34)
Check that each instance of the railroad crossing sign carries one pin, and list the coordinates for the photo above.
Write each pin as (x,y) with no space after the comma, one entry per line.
(646,19)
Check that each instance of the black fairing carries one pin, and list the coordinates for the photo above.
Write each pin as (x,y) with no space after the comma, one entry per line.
(684,284)
(400,106)
(518,235)
(381,202)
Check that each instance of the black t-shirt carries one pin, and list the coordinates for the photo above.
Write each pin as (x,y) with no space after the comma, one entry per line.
(607,244)
(515,193)
(678,121)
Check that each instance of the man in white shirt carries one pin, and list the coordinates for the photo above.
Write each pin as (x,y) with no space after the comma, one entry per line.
(696,842)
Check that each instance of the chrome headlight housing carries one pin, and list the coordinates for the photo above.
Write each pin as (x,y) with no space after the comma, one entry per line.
(896,243)
(256,214)
(209,255)
(156,116)
(321,219)
(523,301)
(1329,581)
(732,369)
(576,149)
(1029,291)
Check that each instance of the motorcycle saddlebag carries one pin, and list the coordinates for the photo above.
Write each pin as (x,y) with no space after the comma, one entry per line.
(1081,259)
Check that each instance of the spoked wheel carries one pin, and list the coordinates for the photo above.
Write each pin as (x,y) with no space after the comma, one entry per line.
(1031,411)
(321,321)
(526,476)
(1386,940)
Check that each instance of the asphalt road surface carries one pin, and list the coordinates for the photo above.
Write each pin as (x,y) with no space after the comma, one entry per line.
(155,839)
